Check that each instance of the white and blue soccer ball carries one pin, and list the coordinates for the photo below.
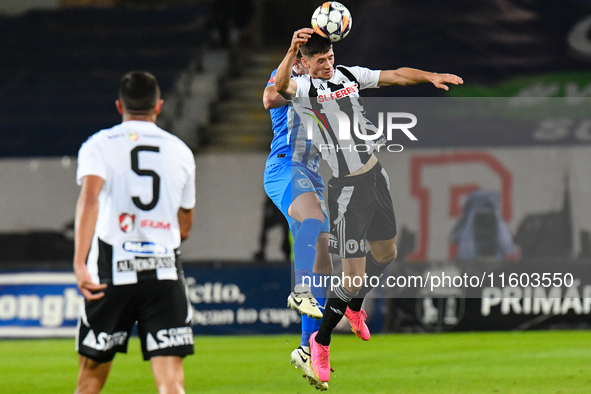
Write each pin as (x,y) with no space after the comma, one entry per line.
(332,20)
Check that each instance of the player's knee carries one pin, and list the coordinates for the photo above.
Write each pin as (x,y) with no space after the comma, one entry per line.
(394,253)
(316,214)
(172,383)
(171,387)
(323,265)
(92,376)
(387,254)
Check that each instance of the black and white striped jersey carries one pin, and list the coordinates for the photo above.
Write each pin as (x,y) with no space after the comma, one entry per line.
(313,102)
(148,175)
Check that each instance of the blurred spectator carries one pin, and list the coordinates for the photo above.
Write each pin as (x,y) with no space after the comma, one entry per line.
(230,19)
(481,231)
(273,217)
(88,3)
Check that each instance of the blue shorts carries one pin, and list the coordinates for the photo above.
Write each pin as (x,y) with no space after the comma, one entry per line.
(284,182)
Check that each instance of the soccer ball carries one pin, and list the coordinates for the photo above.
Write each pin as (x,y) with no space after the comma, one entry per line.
(332,20)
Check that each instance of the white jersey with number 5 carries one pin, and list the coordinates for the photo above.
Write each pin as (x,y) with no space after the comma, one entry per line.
(149,174)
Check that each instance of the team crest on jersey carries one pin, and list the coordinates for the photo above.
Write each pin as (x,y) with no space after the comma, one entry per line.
(132,135)
(126,222)
(352,246)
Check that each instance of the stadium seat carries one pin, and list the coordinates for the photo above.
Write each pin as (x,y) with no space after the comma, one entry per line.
(64,66)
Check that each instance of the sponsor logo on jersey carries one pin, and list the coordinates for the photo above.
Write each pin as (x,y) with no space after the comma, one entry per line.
(145,264)
(144,247)
(272,80)
(104,341)
(132,135)
(332,241)
(126,222)
(155,224)
(180,336)
(339,94)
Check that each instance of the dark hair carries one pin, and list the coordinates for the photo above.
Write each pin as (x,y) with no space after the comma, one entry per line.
(139,92)
(315,45)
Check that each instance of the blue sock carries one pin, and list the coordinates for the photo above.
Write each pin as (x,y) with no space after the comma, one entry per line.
(319,292)
(308,328)
(304,249)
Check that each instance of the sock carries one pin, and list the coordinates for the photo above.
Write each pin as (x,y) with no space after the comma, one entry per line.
(304,249)
(336,305)
(372,268)
(319,292)
(308,328)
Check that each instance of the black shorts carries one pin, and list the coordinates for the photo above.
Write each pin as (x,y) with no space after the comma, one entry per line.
(160,308)
(360,210)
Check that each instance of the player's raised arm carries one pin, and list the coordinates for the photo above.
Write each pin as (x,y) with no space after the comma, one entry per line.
(284,85)
(411,76)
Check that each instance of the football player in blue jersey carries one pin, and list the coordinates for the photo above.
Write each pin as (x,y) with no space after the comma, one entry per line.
(293,183)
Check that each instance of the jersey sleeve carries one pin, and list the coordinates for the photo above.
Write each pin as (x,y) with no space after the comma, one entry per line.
(272,78)
(368,79)
(91,160)
(303,86)
(188,197)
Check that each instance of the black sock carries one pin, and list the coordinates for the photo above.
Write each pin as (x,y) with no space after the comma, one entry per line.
(334,311)
(372,268)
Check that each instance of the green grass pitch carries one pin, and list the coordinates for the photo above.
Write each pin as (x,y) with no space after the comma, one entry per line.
(501,362)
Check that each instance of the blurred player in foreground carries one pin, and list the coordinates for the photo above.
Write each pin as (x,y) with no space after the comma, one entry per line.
(360,205)
(135,207)
(293,183)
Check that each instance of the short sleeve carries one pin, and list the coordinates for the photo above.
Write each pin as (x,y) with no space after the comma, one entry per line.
(368,79)
(303,86)
(91,160)
(272,78)
(188,197)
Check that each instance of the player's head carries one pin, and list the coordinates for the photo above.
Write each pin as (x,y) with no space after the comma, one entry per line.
(300,68)
(139,94)
(317,57)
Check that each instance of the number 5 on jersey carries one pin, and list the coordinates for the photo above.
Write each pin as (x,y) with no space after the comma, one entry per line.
(146,172)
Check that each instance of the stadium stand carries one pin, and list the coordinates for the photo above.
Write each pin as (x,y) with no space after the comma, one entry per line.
(60,71)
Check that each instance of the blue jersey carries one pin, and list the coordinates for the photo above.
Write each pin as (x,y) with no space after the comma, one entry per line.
(289,139)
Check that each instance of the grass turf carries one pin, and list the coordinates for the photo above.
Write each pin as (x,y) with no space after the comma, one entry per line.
(501,362)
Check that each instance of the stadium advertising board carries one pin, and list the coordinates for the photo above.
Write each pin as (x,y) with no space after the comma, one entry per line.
(240,299)
(230,298)
(40,304)
(516,295)
(233,299)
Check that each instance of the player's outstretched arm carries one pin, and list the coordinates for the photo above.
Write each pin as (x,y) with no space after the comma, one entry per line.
(85,222)
(411,76)
(284,85)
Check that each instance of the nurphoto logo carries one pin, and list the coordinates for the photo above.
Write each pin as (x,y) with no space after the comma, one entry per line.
(377,138)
